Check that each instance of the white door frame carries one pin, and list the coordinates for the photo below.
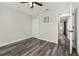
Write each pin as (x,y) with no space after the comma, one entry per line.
(70,15)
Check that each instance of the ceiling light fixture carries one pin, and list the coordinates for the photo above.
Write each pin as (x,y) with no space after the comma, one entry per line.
(32,4)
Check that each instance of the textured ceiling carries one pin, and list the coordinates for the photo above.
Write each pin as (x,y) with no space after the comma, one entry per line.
(25,8)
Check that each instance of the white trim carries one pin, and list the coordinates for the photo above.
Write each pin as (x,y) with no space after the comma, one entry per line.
(64,15)
(26,38)
(71,28)
(13,41)
(47,40)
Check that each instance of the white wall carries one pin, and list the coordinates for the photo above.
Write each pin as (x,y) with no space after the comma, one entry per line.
(77,29)
(75,6)
(14,26)
(46,31)
(35,27)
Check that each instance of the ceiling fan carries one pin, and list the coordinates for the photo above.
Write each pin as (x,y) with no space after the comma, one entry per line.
(32,4)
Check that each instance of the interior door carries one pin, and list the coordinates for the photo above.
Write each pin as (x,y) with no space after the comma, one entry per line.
(71,31)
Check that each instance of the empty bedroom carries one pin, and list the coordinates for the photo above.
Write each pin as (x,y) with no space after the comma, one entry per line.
(35,29)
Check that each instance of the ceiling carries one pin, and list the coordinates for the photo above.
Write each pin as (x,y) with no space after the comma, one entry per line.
(25,8)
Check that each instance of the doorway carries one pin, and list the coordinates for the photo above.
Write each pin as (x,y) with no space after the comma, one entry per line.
(63,31)
(67,29)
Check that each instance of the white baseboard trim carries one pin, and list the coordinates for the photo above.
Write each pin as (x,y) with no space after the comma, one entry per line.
(27,38)
(47,40)
(14,41)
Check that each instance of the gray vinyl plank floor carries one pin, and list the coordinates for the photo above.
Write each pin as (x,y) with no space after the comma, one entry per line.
(35,47)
